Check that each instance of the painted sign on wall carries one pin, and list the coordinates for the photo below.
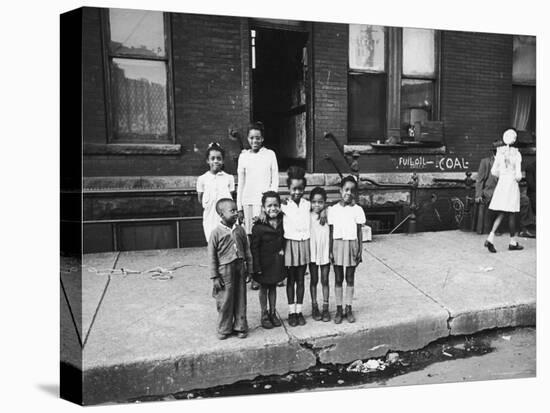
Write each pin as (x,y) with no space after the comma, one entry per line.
(431,163)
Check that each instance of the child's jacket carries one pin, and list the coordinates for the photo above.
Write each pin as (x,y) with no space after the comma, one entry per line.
(267,242)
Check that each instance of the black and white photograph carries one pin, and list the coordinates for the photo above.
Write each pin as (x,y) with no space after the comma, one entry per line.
(257,206)
(274,205)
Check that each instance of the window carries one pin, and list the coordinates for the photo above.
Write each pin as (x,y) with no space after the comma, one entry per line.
(367,82)
(392,81)
(418,77)
(139,76)
(524,87)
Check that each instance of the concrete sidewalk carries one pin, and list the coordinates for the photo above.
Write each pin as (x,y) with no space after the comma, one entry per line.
(151,337)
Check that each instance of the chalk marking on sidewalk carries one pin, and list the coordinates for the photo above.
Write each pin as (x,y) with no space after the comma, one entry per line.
(100,302)
(71,312)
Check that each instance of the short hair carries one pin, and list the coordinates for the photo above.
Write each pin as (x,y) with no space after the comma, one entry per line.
(296,172)
(270,194)
(349,178)
(257,126)
(222,202)
(318,191)
(214,146)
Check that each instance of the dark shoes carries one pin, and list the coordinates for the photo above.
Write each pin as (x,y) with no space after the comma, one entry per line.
(325,316)
(274,319)
(222,336)
(349,314)
(490,246)
(301,319)
(315,314)
(242,334)
(339,316)
(266,321)
(281,284)
(293,319)
(516,247)
(254,285)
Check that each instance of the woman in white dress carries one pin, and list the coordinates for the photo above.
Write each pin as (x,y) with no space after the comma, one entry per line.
(505,200)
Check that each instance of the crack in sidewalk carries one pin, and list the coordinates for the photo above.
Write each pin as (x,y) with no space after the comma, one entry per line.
(450,316)
(306,345)
(100,302)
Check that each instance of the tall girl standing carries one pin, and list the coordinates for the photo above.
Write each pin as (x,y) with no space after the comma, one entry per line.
(212,186)
(296,225)
(345,221)
(257,172)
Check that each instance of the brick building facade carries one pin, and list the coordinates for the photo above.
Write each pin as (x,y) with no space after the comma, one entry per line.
(140,194)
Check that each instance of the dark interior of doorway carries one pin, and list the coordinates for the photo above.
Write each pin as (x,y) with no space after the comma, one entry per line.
(279,92)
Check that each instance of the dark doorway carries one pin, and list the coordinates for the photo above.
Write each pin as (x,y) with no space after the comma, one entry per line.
(280,92)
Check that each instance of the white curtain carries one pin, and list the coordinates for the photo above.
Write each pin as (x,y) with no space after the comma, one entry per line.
(521,108)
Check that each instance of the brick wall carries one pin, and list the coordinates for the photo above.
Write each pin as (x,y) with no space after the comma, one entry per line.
(476,91)
(330,91)
(209,67)
(93,105)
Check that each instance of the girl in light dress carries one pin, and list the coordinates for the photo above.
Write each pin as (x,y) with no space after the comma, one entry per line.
(257,172)
(212,186)
(296,225)
(345,220)
(319,242)
(506,197)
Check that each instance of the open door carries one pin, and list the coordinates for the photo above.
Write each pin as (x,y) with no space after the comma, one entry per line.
(280,92)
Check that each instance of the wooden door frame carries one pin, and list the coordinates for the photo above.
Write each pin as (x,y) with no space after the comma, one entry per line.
(295,26)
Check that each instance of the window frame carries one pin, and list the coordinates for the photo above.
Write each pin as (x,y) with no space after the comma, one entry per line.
(108,56)
(359,72)
(435,78)
(393,50)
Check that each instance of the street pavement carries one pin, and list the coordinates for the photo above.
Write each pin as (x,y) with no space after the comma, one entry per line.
(145,335)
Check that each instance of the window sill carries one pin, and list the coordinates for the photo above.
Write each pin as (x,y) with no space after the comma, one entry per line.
(404,149)
(132,149)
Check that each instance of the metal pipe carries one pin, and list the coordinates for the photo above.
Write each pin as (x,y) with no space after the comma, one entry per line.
(328,158)
(132,220)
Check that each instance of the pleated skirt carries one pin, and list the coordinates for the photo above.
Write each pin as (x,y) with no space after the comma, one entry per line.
(296,253)
(345,252)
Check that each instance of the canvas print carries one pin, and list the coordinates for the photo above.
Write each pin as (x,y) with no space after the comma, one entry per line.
(252,205)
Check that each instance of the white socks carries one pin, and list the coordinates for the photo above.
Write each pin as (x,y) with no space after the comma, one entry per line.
(294,308)
(491,237)
(513,241)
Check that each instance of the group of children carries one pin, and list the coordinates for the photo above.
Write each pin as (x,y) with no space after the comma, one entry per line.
(279,240)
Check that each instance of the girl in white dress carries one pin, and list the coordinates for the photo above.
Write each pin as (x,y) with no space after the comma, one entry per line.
(213,186)
(319,252)
(345,220)
(257,172)
(505,200)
